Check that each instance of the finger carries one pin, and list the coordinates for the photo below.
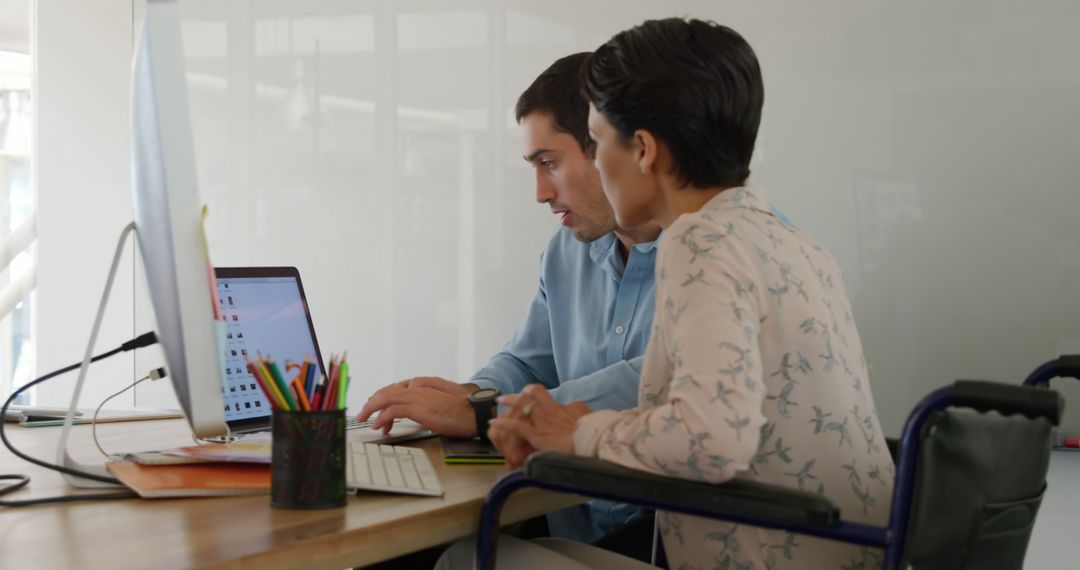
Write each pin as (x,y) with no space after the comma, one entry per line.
(516,406)
(523,429)
(397,398)
(498,436)
(502,439)
(512,413)
(378,401)
(519,452)
(500,443)
(385,421)
(540,395)
(527,433)
(368,409)
(514,401)
(508,445)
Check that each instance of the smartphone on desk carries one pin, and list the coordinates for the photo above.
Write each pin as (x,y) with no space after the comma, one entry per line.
(459,450)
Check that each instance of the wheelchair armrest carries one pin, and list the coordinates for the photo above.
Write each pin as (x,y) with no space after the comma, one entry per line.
(1069,366)
(1008,399)
(744,499)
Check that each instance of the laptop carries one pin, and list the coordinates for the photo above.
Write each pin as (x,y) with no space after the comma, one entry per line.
(266,311)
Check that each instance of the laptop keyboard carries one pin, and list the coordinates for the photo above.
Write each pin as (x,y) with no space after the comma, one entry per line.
(391,468)
(351,422)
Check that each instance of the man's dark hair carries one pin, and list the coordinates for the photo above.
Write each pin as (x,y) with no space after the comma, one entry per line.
(695,85)
(558,91)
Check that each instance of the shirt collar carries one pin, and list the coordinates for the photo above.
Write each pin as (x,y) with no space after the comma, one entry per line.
(605,247)
(740,197)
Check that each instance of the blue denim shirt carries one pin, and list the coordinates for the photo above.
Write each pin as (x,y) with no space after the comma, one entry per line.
(583,338)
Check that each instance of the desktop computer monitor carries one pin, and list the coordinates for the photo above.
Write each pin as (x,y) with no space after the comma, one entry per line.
(168,220)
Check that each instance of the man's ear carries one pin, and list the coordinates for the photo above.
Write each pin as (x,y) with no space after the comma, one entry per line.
(646,151)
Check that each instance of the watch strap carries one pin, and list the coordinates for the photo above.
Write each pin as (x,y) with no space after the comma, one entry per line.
(485,411)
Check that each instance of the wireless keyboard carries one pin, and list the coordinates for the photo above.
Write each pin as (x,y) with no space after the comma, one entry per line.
(392,469)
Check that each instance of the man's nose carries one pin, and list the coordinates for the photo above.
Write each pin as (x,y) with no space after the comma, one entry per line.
(545,191)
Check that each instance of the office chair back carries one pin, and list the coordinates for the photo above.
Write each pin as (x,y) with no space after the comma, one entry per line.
(979,480)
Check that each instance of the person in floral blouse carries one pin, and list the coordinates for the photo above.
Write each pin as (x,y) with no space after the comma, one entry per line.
(754,368)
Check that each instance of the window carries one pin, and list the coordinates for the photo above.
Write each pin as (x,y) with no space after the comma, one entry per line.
(17,223)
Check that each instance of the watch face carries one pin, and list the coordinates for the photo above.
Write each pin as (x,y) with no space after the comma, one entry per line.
(484,394)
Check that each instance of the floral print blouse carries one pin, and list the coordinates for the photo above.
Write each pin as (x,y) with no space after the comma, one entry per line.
(754,370)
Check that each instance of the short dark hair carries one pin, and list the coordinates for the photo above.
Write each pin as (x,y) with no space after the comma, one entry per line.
(558,91)
(695,85)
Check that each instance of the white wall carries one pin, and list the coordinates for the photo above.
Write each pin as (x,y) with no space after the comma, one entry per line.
(932,147)
(82,53)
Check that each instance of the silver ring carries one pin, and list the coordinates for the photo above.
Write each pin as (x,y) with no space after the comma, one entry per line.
(528,409)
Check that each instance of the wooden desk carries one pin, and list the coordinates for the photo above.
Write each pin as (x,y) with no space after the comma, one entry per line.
(230,532)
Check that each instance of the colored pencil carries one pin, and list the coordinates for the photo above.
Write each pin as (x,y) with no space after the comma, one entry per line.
(320,388)
(260,365)
(274,388)
(301,376)
(275,372)
(343,382)
(309,376)
(263,386)
(300,395)
(332,387)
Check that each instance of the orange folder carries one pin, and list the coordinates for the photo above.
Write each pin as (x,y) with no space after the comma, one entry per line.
(193,479)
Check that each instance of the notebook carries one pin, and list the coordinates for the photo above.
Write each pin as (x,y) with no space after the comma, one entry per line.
(20,414)
(475,450)
(86,416)
(252,449)
(192,480)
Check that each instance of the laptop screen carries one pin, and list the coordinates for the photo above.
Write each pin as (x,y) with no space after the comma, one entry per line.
(265,312)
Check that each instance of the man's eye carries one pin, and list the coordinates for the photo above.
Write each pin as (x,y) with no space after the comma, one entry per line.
(548,164)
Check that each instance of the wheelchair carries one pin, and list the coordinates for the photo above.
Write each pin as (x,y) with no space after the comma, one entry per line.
(971,468)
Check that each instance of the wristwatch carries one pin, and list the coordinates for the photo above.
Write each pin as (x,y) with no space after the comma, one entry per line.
(483,405)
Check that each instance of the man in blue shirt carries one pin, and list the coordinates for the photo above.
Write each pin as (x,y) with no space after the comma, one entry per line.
(587,327)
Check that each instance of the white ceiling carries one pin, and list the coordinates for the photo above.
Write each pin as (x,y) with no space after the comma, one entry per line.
(15,25)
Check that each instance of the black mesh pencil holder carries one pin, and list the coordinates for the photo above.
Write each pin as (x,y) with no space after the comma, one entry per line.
(308,469)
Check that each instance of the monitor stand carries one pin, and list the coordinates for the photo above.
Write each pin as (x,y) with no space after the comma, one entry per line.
(62,456)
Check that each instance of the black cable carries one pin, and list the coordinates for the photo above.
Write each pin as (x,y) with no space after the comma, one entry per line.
(140,341)
(70,498)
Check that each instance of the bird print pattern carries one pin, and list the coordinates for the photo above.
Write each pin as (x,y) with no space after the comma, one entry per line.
(754,371)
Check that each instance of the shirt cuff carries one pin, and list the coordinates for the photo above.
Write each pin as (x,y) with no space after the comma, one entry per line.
(483,383)
(590,429)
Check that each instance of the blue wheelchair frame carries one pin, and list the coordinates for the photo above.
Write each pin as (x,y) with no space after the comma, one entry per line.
(1066,366)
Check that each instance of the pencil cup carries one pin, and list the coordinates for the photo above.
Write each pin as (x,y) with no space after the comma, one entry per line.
(308,468)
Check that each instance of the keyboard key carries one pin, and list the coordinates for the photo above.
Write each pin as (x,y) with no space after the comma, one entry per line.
(378,471)
(412,477)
